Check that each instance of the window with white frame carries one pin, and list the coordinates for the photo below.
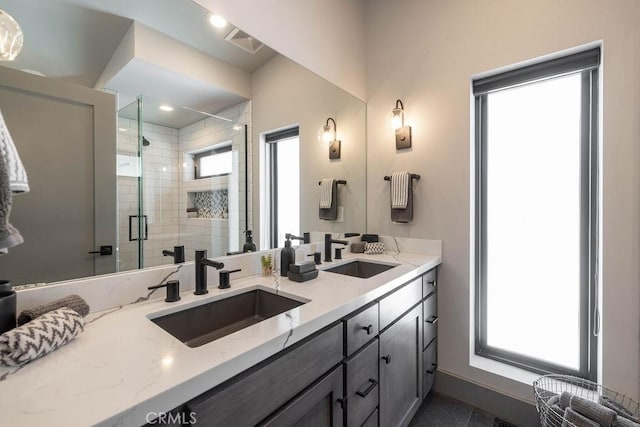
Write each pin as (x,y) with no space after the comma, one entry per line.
(536,215)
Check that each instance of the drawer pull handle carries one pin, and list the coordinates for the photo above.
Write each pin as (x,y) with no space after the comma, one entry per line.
(387,358)
(369,329)
(373,385)
(432,320)
(433,283)
(342,402)
(434,366)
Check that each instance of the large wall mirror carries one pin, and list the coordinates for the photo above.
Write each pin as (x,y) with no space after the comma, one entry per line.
(142,127)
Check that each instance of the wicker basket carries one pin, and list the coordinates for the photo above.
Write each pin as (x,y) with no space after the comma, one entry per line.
(548,386)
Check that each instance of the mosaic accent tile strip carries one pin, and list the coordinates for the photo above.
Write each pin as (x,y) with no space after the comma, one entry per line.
(212,204)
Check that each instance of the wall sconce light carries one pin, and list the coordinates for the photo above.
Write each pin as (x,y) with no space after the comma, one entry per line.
(330,136)
(10,37)
(403,133)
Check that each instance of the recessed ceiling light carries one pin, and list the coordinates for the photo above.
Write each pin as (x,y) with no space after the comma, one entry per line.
(122,129)
(165,107)
(237,127)
(217,20)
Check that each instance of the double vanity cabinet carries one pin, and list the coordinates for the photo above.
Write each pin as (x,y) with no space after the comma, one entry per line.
(372,367)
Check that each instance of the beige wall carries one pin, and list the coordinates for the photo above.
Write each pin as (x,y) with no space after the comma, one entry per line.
(325,36)
(425,52)
(284,94)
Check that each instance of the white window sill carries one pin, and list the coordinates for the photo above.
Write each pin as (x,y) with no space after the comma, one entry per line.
(503,370)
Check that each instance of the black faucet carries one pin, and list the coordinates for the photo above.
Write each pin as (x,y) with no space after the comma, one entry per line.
(327,246)
(306,237)
(177,253)
(224,278)
(201,271)
(173,290)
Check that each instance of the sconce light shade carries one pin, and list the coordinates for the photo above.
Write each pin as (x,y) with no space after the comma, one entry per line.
(10,37)
(329,135)
(397,120)
(403,133)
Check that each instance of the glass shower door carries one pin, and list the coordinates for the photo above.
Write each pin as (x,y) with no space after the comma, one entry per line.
(181,184)
(132,223)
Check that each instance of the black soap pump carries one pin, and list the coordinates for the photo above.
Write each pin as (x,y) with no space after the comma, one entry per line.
(287,256)
(249,246)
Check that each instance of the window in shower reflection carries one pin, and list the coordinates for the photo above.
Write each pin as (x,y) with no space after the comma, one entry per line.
(215,162)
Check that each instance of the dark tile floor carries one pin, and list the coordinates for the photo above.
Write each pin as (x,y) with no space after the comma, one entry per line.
(440,411)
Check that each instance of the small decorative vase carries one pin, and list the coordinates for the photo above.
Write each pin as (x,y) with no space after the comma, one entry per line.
(266,271)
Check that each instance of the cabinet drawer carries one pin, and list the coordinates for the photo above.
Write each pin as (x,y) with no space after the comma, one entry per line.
(319,405)
(250,398)
(372,421)
(362,384)
(430,316)
(361,328)
(429,282)
(429,367)
(394,305)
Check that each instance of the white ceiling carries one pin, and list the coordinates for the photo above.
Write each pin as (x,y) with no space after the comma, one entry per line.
(65,41)
(75,39)
(167,87)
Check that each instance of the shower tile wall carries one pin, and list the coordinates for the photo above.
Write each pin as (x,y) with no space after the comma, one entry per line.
(160,192)
(217,235)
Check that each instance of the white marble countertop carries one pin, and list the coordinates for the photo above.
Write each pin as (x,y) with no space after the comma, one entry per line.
(124,367)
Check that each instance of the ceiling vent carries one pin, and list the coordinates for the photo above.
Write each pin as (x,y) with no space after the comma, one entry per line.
(244,41)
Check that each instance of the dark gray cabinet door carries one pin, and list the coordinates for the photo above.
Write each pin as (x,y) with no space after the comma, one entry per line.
(318,406)
(400,368)
(362,384)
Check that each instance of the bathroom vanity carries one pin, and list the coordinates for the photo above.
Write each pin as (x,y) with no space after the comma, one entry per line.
(355,351)
(368,368)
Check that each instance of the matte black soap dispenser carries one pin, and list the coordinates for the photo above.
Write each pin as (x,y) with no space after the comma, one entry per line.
(249,246)
(287,256)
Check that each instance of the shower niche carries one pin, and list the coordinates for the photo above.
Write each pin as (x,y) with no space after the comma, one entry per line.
(212,204)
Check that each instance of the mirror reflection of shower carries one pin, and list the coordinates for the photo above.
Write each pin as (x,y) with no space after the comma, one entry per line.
(163,201)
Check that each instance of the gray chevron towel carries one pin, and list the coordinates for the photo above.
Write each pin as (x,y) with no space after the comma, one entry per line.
(74,302)
(40,336)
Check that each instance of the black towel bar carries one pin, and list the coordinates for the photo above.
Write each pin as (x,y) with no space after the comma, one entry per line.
(413,176)
(338,181)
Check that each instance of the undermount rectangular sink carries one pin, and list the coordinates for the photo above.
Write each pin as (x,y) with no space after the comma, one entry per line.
(361,269)
(200,325)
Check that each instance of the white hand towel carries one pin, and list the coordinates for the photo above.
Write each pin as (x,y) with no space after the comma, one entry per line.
(399,190)
(18,182)
(326,192)
(9,236)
